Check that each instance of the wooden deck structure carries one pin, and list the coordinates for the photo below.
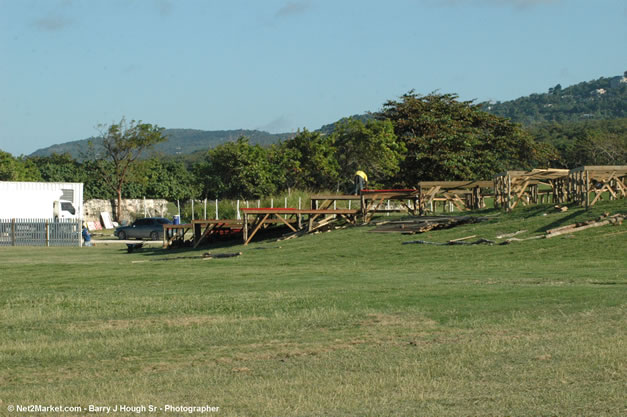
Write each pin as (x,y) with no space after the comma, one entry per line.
(464,195)
(208,229)
(174,233)
(521,187)
(593,181)
(373,200)
(328,201)
(370,202)
(256,219)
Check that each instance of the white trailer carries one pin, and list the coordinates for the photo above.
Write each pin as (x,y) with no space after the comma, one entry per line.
(41,200)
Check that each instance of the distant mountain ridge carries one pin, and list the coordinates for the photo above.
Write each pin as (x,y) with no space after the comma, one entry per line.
(180,141)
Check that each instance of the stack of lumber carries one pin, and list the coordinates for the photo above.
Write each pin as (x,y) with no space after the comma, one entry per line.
(576,227)
(424,224)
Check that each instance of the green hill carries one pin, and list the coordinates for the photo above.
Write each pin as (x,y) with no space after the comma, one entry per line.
(180,141)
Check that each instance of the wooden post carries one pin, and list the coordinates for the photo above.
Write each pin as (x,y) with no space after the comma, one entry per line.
(13,232)
(587,190)
(245,227)
(509,192)
(48,233)
(363,208)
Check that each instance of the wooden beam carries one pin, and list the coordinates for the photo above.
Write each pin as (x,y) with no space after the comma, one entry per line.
(259,224)
(286,222)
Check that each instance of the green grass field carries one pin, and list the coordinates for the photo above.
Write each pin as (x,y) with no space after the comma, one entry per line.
(345,323)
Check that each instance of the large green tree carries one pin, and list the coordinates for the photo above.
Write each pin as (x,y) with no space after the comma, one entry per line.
(236,170)
(169,179)
(59,168)
(17,169)
(312,161)
(372,147)
(447,139)
(120,148)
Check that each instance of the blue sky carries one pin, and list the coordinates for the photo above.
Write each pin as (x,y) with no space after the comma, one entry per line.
(68,65)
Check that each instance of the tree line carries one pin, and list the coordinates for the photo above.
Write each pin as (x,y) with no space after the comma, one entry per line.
(411,139)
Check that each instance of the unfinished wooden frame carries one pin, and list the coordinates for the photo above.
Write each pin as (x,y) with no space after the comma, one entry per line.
(373,200)
(464,195)
(587,184)
(522,187)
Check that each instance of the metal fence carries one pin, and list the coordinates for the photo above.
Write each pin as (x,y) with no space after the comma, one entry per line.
(40,232)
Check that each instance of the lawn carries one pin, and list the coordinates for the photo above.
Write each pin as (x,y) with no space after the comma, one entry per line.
(344,323)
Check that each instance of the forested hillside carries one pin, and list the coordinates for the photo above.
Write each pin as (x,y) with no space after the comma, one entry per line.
(605,98)
(590,142)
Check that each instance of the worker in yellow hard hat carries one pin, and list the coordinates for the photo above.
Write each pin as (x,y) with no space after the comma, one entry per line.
(361,181)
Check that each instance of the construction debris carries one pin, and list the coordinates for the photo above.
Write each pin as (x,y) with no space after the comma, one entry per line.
(425,224)
(208,255)
(577,227)
(515,239)
(452,242)
(508,235)
(462,238)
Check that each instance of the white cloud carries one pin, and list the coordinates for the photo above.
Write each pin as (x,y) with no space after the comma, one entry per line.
(520,4)
(293,8)
(53,23)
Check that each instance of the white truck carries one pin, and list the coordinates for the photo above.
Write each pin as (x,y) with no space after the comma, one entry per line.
(41,200)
